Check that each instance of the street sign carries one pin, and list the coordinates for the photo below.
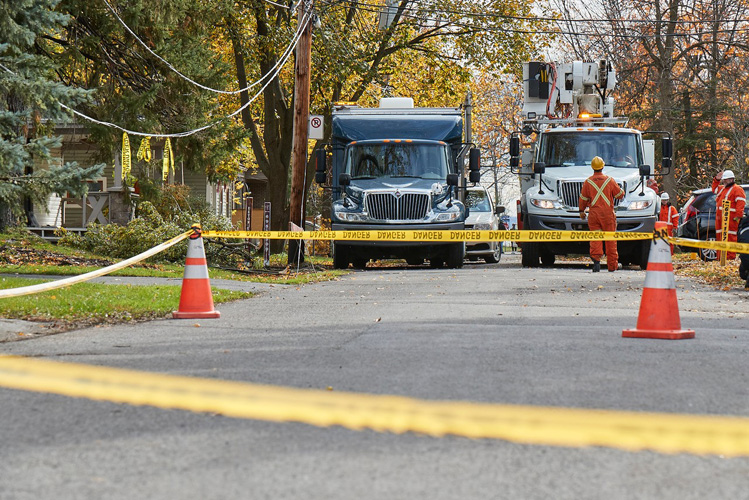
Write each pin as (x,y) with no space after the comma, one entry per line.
(316,127)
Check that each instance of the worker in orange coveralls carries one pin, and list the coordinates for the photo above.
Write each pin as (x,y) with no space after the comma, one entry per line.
(725,188)
(669,215)
(598,194)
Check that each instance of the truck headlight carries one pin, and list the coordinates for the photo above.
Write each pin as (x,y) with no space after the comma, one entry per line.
(349,216)
(544,203)
(484,226)
(639,205)
(447,216)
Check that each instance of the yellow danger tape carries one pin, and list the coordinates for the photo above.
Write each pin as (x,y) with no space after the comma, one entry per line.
(432,235)
(548,426)
(53,285)
(711,245)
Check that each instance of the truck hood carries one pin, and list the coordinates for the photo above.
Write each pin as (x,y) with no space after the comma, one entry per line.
(388,183)
(582,172)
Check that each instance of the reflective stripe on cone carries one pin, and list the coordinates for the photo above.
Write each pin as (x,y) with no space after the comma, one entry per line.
(659,309)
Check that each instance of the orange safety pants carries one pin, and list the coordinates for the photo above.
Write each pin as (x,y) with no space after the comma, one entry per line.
(603,220)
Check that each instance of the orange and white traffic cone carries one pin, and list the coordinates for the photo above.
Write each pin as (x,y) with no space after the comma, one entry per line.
(195,300)
(659,310)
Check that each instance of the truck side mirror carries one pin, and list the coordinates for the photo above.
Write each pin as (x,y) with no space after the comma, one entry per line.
(474,165)
(514,146)
(452,179)
(344,179)
(644,170)
(499,210)
(667,147)
(320,166)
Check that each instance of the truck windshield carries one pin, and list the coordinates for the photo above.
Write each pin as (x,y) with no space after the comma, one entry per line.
(578,148)
(397,159)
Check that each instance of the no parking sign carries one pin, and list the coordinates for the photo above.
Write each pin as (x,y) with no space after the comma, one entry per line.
(316,129)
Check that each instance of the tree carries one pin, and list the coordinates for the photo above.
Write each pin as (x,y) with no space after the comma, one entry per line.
(31,102)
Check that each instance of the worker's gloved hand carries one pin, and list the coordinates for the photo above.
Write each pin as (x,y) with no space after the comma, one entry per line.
(582,215)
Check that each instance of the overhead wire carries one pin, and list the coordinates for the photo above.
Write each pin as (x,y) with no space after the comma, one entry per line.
(175,70)
(270,77)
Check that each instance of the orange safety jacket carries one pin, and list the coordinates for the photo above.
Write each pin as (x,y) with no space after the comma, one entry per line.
(671,215)
(736,196)
(599,192)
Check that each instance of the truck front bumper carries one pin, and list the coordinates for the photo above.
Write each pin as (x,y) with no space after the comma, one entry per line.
(451,226)
(556,223)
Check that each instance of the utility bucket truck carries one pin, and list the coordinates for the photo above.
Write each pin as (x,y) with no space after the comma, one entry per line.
(568,119)
(394,168)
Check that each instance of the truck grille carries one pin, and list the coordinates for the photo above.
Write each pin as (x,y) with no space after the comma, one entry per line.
(386,206)
(570,192)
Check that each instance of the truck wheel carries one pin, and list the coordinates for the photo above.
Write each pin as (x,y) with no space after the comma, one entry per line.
(494,258)
(548,259)
(340,257)
(414,261)
(436,263)
(530,254)
(645,254)
(455,254)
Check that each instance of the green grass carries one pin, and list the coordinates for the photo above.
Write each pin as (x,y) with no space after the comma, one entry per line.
(88,303)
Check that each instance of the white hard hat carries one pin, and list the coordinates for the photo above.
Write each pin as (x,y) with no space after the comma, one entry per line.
(665,197)
(728,174)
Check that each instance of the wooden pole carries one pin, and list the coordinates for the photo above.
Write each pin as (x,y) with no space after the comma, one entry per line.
(300,135)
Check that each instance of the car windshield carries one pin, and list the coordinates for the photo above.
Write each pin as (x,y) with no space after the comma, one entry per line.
(579,148)
(397,159)
(478,201)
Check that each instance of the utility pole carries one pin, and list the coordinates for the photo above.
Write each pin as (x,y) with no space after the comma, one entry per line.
(300,134)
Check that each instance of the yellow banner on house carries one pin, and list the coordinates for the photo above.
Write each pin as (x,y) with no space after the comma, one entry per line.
(126,160)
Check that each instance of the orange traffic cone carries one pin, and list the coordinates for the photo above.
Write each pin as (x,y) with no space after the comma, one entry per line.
(195,300)
(659,310)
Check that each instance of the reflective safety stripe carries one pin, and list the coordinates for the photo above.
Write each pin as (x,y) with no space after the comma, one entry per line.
(600,191)
(660,279)
(193,261)
(196,273)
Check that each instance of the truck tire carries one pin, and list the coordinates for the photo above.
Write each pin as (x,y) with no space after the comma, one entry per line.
(414,261)
(455,254)
(547,258)
(359,262)
(530,254)
(340,257)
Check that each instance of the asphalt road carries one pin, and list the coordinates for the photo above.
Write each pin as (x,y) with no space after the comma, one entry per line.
(499,334)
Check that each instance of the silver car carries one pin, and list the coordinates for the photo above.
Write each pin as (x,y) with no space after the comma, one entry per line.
(483,216)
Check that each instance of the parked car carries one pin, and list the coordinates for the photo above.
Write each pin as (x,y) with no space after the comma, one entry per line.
(483,215)
(697,220)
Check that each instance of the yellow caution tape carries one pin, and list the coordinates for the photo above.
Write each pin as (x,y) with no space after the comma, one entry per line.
(144,151)
(126,160)
(727,246)
(53,285)
(433,235)
(548,426)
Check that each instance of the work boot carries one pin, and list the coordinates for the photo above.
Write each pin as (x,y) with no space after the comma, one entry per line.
(618,266)
(596,266)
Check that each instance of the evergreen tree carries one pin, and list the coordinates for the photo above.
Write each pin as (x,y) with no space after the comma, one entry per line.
(31,102)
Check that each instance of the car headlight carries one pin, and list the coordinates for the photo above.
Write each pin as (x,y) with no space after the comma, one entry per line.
(483,227)
(639,205)
(543,203)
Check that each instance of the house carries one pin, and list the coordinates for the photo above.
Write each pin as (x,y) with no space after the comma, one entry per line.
(106,203)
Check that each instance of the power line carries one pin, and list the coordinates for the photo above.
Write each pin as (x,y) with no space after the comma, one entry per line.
(434,19)
(270,78)
(228,92)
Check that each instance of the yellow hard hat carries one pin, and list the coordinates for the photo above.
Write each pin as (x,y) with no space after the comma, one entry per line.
(597,163)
